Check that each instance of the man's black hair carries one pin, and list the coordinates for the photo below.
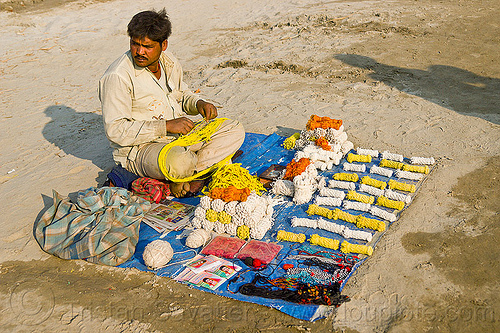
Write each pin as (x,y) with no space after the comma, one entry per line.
(153,25)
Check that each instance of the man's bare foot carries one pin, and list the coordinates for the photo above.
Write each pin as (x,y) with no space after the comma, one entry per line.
(181,190)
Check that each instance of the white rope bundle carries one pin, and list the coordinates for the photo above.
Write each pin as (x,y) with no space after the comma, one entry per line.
(371,152)
(327,201)
(340,139)
(304,222)
(157,254)
(356,205)
(422,160)
(343,230)
(197,222)
(371,190)
(332,133)
(330,192)
(374,210)
(342,184)
(330,226)
(346,147)
(219,228)
(305,185)
(197,238)
(205,202)
(322,182)
(354,167)
(207,225)
(390,156)
(231,229)
(408,175)
(381,171)
(230,207)
(218,205)
(260,229)
(397,196)
(283,187)
(200,212)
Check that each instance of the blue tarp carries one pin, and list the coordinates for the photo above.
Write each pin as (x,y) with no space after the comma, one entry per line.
(260,151)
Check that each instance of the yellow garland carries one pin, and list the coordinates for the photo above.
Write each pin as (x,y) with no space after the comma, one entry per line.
(289,142)
(350,177)
(290,237)
(416,168)
(373,182)
(224,217)
(386,202)
(321,211)
(358,158)
(211,215)
(365,222)
(234,174)
(324,242)
(353,195)
(243,232)
(394,185)
(347,247)
(201,132)
(390,164)
(345,216)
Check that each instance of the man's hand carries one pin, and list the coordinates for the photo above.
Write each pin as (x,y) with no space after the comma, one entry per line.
(207,110)
(179,126)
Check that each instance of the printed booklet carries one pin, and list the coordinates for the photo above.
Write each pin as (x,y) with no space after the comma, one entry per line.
(207,271)
(168,215)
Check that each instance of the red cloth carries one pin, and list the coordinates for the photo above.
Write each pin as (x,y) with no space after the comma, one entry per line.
(150,189)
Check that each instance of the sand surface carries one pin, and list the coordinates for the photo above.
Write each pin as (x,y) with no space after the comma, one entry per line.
(420,78)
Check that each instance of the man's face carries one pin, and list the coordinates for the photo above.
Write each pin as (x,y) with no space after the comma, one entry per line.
(146,51)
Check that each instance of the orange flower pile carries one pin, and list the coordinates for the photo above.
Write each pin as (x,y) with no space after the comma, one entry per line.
(296,168)
(230,193)
(323,122)
(323,143)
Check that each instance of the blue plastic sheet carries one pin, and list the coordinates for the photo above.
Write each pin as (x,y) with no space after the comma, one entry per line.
(260,151)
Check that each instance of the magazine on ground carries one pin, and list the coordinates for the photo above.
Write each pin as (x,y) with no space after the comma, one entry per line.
(168,215)
(207,271)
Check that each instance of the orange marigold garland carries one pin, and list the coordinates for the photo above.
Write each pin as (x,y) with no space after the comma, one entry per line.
(296,168)
(323,143)
(230,193)
(323,122)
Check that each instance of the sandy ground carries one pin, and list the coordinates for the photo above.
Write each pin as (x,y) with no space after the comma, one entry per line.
(413,77)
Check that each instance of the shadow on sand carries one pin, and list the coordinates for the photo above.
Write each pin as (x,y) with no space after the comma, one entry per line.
(80,134)
(451,87)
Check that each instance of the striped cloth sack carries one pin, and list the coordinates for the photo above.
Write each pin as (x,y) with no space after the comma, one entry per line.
(101,227)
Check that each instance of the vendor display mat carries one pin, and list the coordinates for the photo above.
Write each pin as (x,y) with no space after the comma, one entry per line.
(259,152)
